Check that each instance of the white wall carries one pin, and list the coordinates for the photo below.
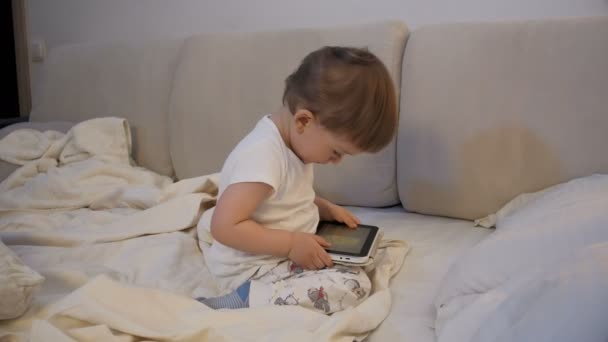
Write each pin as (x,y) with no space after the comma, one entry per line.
(67,21)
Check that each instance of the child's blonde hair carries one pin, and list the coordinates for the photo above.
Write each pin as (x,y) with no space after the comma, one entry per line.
(351,93)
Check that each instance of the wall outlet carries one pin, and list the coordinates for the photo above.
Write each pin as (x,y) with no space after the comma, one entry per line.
(38,50)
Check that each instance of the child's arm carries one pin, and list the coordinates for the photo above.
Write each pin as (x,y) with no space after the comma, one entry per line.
(333,212)
(232,226)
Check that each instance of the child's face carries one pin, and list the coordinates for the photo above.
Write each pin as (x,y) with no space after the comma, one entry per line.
(313,143)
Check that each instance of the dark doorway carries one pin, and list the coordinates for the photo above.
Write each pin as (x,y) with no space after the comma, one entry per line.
(9,101)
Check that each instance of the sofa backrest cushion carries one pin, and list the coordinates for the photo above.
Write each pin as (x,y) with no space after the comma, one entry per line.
(226,82)
(491,110)
(129,80)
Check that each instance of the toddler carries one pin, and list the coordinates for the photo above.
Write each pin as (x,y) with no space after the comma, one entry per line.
(340,101)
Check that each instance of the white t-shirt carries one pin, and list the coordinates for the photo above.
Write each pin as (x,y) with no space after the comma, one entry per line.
(262,156)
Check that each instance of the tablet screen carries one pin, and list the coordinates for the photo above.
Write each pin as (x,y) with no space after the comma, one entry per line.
(345,240)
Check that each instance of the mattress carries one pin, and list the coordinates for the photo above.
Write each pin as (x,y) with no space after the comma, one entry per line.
(435,243)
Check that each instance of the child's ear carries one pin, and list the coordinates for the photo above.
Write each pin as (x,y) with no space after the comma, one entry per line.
(303,118)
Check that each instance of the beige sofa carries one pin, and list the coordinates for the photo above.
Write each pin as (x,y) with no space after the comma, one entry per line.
(487,111)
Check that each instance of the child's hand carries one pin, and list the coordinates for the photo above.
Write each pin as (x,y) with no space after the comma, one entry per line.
(341,214)
(306,250)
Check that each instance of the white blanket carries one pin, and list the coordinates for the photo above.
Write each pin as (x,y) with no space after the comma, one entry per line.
(117,247)
(107,138)
(542,276)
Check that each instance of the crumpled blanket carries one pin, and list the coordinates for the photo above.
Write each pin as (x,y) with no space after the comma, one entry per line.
(118,247)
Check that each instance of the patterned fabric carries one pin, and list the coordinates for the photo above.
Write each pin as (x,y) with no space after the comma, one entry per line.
(328,290)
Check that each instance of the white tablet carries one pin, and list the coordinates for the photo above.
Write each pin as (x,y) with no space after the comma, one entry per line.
(351,246)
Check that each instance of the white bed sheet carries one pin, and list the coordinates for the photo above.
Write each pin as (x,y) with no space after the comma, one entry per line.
(435,243)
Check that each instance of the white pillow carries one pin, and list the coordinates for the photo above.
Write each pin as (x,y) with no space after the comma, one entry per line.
(520,201)
(18,283)
(534,234)
(584,185)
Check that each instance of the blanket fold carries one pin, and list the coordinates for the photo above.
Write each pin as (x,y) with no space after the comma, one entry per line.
(108,138)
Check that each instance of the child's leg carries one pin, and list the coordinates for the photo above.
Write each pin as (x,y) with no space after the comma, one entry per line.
(237,299)
(328,290)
